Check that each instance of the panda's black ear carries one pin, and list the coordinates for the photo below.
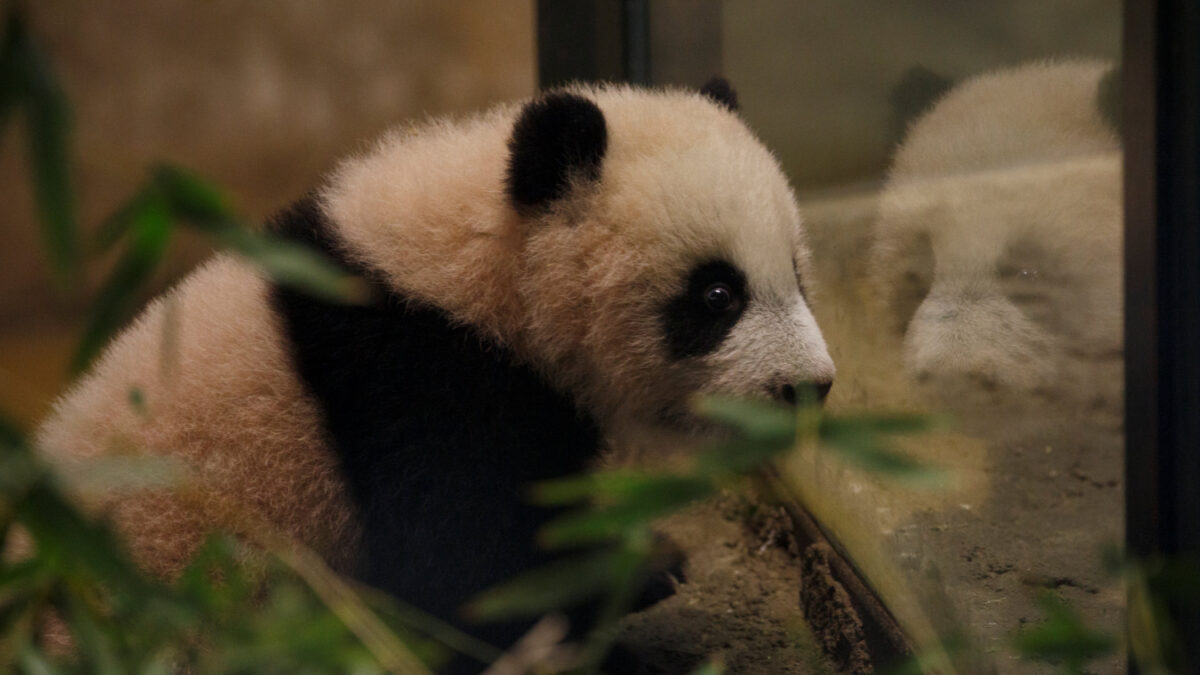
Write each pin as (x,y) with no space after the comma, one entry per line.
(558,140)
(719,90)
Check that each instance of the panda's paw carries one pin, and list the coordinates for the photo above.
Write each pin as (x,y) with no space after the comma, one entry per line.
(666,574)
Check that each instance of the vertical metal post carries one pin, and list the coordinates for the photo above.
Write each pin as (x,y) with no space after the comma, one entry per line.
(636,15)
(640,41)
(1162,289)
(580,40)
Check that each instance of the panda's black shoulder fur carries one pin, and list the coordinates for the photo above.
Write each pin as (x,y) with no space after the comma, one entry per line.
(439,433)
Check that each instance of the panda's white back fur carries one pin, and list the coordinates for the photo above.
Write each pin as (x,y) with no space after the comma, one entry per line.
(221,396)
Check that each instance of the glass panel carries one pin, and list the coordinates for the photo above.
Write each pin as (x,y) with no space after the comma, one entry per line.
(959,168)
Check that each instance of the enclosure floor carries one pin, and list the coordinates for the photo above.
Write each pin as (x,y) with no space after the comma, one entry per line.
(739,604)
(1034,496)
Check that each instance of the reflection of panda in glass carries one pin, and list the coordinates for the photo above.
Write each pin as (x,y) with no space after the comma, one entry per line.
(549,280)
(998,245)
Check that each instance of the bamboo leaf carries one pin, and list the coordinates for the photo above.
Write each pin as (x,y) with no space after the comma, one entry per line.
(602,486)
(710,668)
(114,474)
(755,419)
(66,541)
(203,208)
(190,197)
(740,455)
(11,437)
(554,586)
(891,424)
(292,264)
(33,663)
(18,474)
(12,89)
(49,121)
(863,441)
(49,124)
(216,559)
(20,583)
(150,233)
(119,223)
(1063,637)
(609,522)
(94,639)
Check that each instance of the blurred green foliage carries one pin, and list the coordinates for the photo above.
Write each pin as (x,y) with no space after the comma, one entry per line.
(74,579)
(1063,637)
(28,87)
(616,509)
(144,225)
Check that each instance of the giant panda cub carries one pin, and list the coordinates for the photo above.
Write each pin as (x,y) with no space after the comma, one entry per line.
(548,280)
(998,244)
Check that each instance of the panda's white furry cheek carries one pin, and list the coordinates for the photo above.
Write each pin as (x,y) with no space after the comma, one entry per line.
(770,346)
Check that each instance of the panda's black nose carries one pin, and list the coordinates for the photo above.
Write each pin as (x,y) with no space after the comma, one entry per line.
(787,393)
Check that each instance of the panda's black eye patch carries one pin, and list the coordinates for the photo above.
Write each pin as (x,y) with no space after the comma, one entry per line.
(698,319)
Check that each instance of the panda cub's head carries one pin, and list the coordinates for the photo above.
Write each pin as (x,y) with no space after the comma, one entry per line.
(636,247)
(662,255)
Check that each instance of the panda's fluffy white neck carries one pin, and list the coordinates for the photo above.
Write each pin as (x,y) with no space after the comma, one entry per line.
(390,206)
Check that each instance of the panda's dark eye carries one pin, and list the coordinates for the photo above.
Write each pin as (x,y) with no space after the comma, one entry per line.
(698,318)
(719,297)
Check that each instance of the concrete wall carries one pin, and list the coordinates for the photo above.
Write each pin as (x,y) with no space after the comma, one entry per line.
(259,96)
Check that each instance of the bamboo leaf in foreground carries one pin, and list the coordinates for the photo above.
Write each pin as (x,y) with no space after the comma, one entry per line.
(11,86)
(880,424)
(49,126)
(767,430)
(69,543)
(608,522)
(290,263)
(10,436)
(754,419)
(189,196)
(1063,637)
(552,587)
(26,79)
(113,229)
(200,206)
(150,232)
(96,642)
(34,664)
(604,487)
(863,440)
(739,455)
(710,668)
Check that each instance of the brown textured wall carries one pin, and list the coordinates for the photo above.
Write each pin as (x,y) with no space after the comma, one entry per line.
(259,96)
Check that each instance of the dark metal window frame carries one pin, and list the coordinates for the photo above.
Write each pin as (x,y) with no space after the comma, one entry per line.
(610,40)
(592,40)
(1161,127)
